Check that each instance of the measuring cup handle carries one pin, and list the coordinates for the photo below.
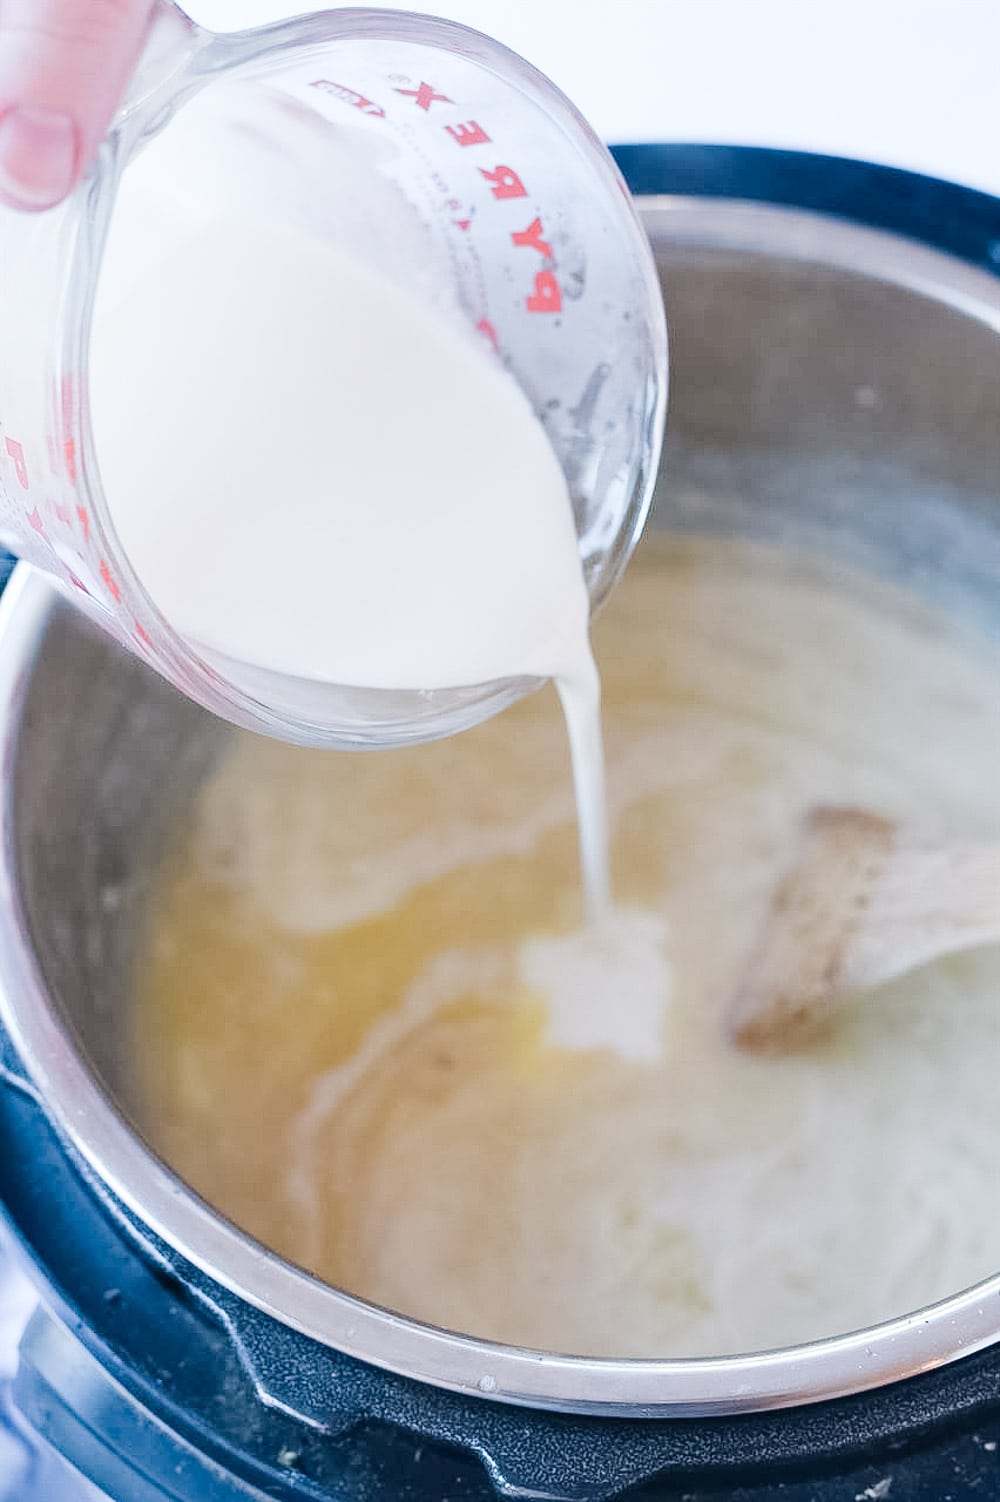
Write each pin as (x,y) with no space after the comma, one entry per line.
(173,40)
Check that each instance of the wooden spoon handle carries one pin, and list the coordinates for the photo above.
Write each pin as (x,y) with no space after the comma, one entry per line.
(860,907)
(925,903)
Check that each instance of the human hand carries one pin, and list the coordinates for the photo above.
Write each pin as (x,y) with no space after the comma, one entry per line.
(64,69)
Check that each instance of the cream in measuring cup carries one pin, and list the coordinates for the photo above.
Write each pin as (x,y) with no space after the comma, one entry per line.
(507,219)
(375,376)
(347,485)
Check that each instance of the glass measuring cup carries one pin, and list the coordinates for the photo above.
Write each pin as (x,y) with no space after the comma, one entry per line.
(524,212)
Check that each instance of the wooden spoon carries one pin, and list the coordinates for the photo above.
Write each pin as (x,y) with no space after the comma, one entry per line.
(861,905)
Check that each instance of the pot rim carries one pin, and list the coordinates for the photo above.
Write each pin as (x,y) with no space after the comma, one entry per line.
(957,1326)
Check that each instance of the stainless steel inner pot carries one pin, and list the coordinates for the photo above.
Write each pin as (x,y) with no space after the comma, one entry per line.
(833,386)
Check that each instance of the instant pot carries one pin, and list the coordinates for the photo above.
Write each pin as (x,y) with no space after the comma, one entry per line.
(836,382)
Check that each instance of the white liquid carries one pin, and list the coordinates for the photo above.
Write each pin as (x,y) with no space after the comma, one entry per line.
(607,988)
(314,473)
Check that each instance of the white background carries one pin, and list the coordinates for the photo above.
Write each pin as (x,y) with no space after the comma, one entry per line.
(910,83)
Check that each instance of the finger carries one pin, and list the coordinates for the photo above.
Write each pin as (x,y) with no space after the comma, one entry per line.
(64,69)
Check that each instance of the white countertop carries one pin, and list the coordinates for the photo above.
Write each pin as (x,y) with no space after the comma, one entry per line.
(908,83)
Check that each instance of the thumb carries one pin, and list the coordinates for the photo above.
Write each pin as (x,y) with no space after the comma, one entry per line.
(64,69)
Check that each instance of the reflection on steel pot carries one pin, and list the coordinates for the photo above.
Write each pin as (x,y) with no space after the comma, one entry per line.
(255,1378)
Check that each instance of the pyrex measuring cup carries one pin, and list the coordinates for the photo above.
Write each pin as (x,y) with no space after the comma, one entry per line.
(526,214)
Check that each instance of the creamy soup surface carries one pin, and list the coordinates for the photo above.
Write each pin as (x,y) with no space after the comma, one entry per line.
(369,1028)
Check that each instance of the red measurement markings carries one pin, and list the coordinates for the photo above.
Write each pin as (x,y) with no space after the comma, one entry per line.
(546,298)
(16,453)
(350,97)
(532,238)
(110,581)
(504,182)
(69,446)
(468,134)
(425,96)
(486,328)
